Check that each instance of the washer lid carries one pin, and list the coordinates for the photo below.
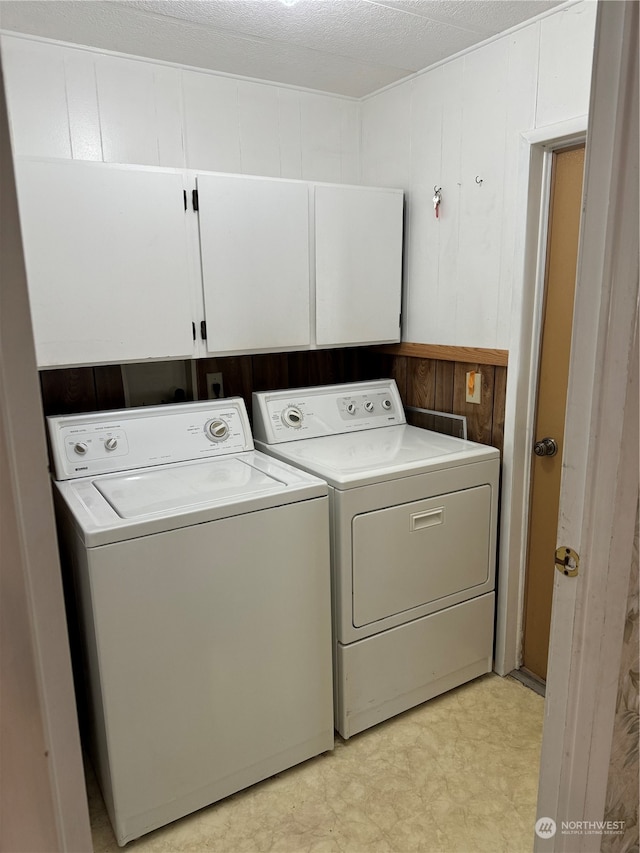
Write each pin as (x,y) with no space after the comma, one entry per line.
(375,455)
(175,488)
(125,505)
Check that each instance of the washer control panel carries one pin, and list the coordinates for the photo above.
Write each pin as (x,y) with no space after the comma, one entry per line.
(95,443)
(326,410)
(216,429)
(103,442)
(292,417)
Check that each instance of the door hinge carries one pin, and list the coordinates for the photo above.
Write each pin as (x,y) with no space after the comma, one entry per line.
(203,330)
(567,561)
(194,200)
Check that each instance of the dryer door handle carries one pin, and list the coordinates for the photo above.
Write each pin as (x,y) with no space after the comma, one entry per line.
(420,520)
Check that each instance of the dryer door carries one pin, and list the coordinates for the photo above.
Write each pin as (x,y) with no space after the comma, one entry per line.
(416,553)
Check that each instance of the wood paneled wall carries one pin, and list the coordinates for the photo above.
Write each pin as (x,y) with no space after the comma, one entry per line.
(429,383)
(441,385)
(68,391)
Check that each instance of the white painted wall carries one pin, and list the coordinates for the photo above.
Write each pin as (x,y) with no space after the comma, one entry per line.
(43,803)
(453,123)
(469,280)
(86,105)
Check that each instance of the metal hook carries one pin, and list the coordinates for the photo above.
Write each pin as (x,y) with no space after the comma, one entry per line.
(437,189)
(478,180)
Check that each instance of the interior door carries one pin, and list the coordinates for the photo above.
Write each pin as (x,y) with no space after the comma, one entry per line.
(564,227)
(107,262)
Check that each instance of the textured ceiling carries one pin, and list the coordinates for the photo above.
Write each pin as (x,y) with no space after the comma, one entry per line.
(350,47)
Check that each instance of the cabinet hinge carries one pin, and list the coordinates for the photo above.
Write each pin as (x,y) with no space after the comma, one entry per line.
(194,200)
(193,329)
(203,330)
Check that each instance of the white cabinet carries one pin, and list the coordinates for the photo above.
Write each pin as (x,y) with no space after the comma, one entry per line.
(260,278)
(107,262)
(121,269)
(358,264)
(254,243)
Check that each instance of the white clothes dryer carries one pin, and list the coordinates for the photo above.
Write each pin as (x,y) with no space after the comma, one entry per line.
(202,581)
(413,543)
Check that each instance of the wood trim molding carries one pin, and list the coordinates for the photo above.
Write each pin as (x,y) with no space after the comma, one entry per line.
(471,355)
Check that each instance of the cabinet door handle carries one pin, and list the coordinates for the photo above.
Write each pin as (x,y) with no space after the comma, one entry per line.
(203,330)
(193,329)
(420,520)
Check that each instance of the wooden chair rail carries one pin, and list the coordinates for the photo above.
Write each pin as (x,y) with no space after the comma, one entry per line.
(477,355)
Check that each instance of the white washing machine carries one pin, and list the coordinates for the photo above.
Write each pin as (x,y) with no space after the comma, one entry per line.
(202,580)
(413,542)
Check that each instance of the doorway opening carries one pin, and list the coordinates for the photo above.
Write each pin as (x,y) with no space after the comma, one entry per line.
(564,214)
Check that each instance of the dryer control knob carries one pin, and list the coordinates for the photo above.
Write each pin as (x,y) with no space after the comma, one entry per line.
(386,404)
(351,408)
(111,444)
(368,406)
(216,430)
(80,448)
(292,417)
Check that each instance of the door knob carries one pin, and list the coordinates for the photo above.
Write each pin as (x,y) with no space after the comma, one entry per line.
(545,447)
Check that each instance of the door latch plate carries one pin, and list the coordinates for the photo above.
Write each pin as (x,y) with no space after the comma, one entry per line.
(567,561)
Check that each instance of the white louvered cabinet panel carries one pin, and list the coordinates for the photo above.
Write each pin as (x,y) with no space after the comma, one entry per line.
(358,254)
(107,262)
(254,243)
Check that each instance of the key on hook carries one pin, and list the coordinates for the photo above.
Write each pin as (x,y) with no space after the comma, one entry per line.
(437,200)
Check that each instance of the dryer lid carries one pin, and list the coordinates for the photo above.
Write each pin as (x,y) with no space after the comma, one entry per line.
(179,487)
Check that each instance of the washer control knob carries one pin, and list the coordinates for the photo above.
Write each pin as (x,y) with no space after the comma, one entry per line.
(386,404)
(292,417)
(368,406)
(216,429)
(351,408)
(111,444)
(80,448)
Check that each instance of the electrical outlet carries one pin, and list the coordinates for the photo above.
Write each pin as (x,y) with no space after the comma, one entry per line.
(215,388)
(474,387)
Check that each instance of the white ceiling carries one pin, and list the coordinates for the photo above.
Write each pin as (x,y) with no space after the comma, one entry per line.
(350,47)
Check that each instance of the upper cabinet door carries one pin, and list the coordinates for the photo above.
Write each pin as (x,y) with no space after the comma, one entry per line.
(254,242)
(358,264)
(107,263)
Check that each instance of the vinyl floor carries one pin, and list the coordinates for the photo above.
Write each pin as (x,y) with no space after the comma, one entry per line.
(458,774)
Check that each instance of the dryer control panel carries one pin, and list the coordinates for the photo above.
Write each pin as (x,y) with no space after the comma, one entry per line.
(295,414)
(104,442)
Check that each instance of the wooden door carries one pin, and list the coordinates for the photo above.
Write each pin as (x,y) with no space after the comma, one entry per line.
(564,227)
(107,262)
